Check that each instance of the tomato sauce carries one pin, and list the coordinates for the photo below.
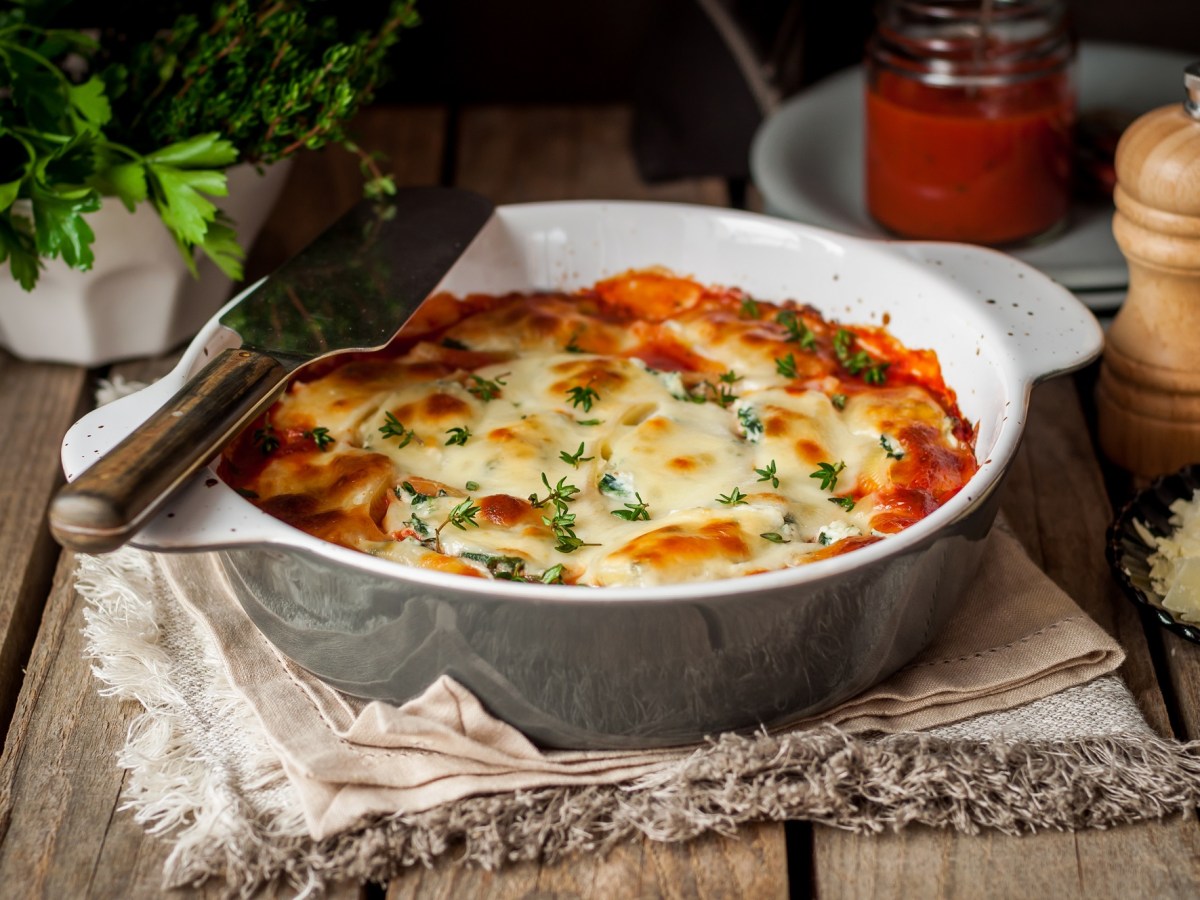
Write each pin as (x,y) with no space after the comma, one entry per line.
(989,165)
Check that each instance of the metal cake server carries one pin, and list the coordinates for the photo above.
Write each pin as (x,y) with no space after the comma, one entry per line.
(351,289)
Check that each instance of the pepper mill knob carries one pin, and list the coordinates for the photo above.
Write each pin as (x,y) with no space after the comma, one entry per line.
(1148,395)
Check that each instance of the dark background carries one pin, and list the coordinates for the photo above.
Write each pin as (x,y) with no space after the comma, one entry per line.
(694,113)
(544,51)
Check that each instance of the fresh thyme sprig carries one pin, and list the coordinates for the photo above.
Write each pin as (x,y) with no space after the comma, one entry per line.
(828,473)
(634,511)
(562,523)
(786,366)
(320,436)
(486,389)
(460,517)
(562,492)
(873,372)
(768,473)
(575,458)
(553,575)
(583,395)
(394,428)
(846,503)
(459,435)
(720,392)
(733,498)
(797,331)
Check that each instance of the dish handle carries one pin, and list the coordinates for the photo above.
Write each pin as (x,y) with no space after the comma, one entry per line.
(1042,328)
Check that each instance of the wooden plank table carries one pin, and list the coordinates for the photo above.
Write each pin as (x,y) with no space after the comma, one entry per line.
(63,832)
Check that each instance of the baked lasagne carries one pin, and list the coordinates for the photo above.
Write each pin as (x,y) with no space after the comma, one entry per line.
(647,430)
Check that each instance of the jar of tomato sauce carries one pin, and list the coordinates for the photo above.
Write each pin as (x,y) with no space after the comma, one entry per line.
(970,109)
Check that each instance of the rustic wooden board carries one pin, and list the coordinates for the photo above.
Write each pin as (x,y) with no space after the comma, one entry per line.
(1055,500)
(38,401)
(751,864)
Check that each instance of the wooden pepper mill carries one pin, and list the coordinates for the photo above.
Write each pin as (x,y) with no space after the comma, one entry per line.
(1148,396)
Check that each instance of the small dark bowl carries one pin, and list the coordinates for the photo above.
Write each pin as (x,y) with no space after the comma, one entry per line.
(1128,554)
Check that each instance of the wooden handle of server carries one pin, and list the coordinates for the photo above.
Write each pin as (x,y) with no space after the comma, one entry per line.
(102,508)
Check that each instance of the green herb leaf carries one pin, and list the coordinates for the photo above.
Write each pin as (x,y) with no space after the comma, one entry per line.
(752,425)
(204,151)
(266,439)
(796,330)
(485,389)
(873,372)
(786,366)
(750,309)
(587,422)
(472,485)
(846,503)
(891,451)
(553,575)
(575,458)
(828,473)
(733,498)
(768,473)
(463,515)
(90,104)
(560,493)
(582,396)
(18,247)
(459,436)
(774,537)
(59,226)
(320,436)
(838,400)
(394,428)
(633,511)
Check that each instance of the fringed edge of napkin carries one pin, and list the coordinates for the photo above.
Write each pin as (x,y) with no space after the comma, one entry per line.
(825,775)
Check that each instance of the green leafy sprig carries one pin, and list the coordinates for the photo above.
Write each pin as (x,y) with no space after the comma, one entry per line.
(157,112)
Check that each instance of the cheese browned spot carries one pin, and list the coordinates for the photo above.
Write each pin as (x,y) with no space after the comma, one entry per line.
(641,432)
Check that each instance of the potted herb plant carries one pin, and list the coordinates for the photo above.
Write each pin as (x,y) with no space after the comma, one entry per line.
(142,145)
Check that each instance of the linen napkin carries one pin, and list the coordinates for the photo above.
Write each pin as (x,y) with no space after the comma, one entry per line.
(1014,638)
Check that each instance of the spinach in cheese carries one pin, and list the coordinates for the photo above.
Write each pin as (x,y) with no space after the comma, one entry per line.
(648,430)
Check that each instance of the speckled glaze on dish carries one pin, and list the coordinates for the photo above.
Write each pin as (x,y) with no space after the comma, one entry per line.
(1129,555)
(641,667)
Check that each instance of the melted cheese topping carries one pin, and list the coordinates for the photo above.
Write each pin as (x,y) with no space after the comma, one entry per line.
(647,431)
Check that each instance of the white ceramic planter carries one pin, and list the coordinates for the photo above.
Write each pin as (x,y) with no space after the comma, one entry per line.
(139,299)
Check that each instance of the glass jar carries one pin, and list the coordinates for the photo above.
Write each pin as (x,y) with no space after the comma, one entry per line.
(970,110)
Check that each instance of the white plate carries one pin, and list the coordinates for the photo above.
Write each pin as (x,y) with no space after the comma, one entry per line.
(807,160)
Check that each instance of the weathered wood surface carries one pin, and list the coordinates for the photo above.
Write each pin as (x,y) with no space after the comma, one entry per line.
(752,864)
(560,153)
(1055,501)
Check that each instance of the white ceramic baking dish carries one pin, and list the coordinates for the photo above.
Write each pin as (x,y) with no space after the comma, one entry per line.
(620,667)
